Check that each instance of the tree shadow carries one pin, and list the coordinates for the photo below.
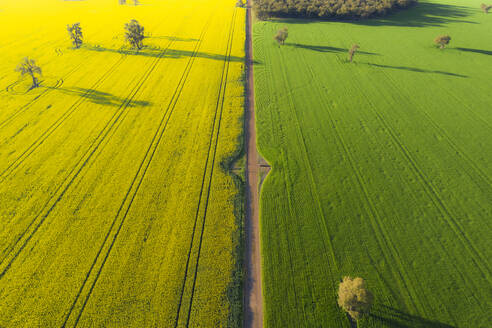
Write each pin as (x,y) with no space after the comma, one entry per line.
(172,38)
(102,98)
(422,14)
(327,49)
(477,51)
(394,318)
(417,70)
(166,53)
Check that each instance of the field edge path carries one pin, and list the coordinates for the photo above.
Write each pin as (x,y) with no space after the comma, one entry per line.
(253,298)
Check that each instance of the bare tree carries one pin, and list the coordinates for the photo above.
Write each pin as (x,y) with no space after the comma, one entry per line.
(134,34)
(28,66)
(442,41)
(352,51)
(75,32)
(281,35)
(485,8)
(354,298)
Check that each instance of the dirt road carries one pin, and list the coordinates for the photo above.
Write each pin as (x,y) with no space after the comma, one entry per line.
(253,298)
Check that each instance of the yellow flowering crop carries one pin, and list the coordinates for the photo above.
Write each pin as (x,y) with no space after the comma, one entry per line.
(116,209)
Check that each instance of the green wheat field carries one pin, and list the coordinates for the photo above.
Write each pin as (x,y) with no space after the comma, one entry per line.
(381,168)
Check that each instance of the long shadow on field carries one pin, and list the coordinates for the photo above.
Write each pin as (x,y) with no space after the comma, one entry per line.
(327,49)
(169,53)
(423,14)
(172,38)
(102,98)
(394,318)
(415,69)
(477,51)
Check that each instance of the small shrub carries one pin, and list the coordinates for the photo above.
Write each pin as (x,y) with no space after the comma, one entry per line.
(352,52)
(354,298)
(281,36)
(485,8)
(442,41)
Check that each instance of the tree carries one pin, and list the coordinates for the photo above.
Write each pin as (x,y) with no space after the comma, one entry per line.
(442,40)
(122,2)
(28,66)
(352,51)
(134,34)
(354,298)
(485,8)
(281,35)
(75,32)
(328,8)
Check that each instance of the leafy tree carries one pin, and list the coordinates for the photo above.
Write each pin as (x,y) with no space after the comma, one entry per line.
(28,66)
(485,8)
(134,34)
(328,8)
(281,35)
(442,41)
(352,51)
(240,3)
(75,32)
(261,10)
(354,298)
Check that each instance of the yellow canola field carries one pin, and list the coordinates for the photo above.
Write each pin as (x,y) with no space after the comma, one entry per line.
(116,209)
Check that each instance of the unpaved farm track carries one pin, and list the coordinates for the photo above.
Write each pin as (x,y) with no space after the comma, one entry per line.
(253,298)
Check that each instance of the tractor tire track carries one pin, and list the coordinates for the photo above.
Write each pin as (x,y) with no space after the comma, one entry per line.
(113,122)
(323,231)
(314,189)
(385,244)
(219,103)
(132,190)
(279,134)
(54,126)
(461,153)
(433,194)
(59,52)
(446,136)
(35,99)
(6,251)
